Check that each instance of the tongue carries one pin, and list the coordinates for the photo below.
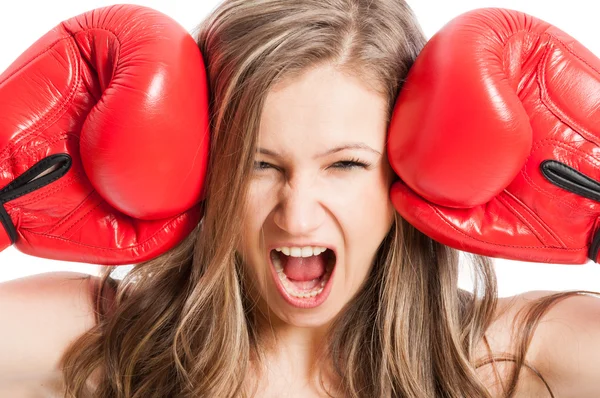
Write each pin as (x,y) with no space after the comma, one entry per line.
(303,268)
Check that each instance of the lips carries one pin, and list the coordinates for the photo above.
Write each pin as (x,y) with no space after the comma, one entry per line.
(307,293)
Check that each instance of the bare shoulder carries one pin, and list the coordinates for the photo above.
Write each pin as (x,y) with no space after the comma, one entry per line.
(41,315)
(565,346)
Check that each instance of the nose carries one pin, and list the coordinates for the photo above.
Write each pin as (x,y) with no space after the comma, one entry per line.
(300,211)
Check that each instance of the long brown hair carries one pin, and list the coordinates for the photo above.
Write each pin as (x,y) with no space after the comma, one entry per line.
(182,325)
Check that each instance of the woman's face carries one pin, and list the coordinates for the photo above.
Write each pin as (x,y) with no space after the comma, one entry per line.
(321,180)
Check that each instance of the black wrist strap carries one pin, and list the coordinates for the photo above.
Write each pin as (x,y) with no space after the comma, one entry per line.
(595,246)
(27,182)
(574,181)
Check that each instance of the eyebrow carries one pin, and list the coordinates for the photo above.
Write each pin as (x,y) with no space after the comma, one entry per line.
(353,145)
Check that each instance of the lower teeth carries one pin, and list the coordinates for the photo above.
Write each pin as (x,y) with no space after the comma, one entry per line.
(293,291)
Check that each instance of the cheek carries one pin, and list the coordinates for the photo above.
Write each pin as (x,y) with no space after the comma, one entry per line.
(257,206)
(250,244)
(255,214)
(369,214)
(369,210)
(249,224)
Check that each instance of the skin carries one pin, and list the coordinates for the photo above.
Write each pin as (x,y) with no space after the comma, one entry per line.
(303,198)
(303,191)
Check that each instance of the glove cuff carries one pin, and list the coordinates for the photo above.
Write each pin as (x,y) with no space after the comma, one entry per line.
(8,232)
(595,244)
(26,183)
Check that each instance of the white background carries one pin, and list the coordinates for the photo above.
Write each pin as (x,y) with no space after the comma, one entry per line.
(23,21)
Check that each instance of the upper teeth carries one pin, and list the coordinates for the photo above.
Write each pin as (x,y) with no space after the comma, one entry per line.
(306,251)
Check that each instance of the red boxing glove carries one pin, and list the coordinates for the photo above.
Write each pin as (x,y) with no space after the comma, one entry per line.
(496,139)
(109,110)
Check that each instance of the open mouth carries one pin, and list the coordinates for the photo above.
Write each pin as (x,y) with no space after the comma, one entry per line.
(303,275)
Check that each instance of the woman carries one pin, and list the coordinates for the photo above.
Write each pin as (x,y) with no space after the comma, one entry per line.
(301,279)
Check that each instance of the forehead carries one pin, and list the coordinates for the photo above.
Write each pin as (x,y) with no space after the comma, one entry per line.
(323,105)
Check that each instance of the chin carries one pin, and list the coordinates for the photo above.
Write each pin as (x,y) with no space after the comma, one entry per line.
(306,319)
(317,317)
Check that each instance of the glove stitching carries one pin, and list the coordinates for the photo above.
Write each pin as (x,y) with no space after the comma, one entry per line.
(26,183)
(594,241)
(77,221)
(117,54)
(72,213)
(552,141)
(7,224)
(566,47)
(580,184)
(524,169)
(587,157)
(551,105)
(77,79)
(28,191)
(48,191)
(42,52)
(32,151)
(56,187)
(557,241)
(163,230)
(72,46)
(51,117)
(439,214)
(538,219)
(551,36)
(522,218)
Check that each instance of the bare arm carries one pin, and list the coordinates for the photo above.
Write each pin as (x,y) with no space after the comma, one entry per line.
(568,347)
(565,347)
(40,316)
